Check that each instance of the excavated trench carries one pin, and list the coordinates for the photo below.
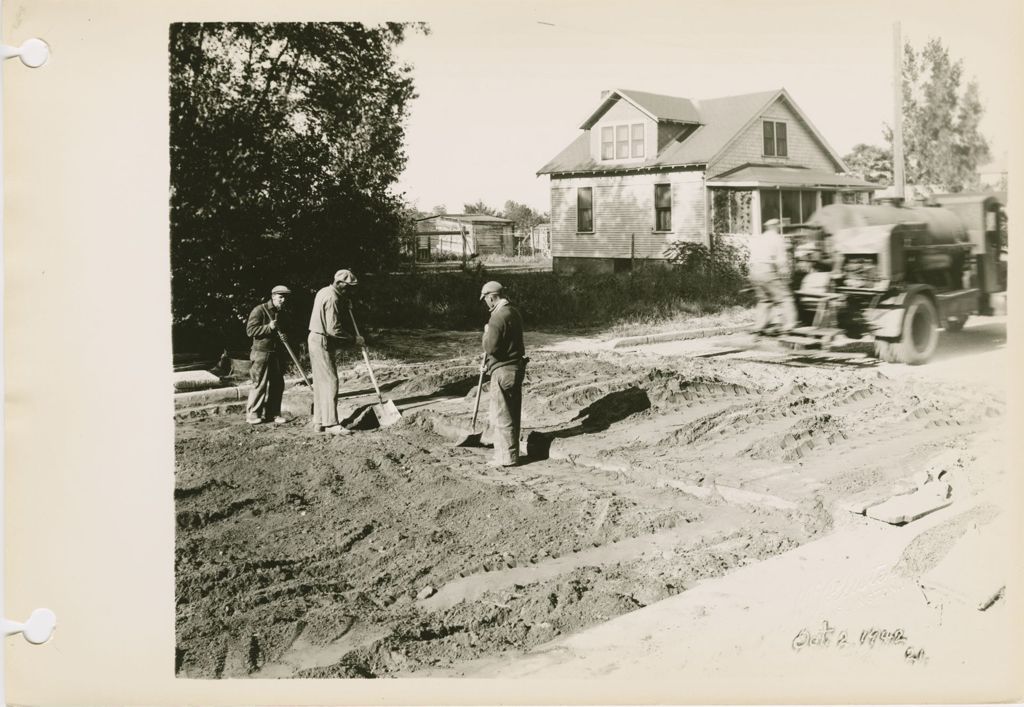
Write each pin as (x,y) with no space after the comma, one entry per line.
(391,552)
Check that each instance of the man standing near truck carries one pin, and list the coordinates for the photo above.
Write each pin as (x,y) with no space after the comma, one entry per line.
(330,308)
(769,273)
(506,363)
(268,323)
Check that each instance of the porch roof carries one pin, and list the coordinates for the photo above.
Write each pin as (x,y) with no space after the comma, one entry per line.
(777,176)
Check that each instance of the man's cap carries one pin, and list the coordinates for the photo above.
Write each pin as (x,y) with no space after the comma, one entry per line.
(345,277)
(772,222)
(490,288)
(280,290)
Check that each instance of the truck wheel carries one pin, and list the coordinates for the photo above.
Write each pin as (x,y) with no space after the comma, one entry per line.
(920,335)
(920,331)
(956,323)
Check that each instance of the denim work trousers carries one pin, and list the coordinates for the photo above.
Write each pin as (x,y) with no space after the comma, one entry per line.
(325,380)
(506,403)
(772,291)
(267,376)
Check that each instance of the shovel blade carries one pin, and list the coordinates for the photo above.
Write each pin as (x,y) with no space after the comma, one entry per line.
(470,440)
(387,414)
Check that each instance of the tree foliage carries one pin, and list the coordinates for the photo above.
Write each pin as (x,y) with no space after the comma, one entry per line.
(285,141)
(524,216)
(479,208)
(942,141)
(943,145)
(871,163)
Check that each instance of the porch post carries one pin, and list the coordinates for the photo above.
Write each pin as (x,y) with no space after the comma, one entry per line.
(755,212)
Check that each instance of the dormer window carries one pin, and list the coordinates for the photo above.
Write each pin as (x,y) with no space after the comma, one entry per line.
(622,142)
(775,139)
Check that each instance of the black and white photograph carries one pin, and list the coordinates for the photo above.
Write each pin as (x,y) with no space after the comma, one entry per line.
(612,344)
(474,379)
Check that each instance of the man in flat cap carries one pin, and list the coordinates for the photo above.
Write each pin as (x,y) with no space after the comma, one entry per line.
(506,363)
(267,325)
(330,311)
(769,272)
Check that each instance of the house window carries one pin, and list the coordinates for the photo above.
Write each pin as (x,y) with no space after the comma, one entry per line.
(775,142)
(662,207)
(607,143)
(621,142)
(637,142)
(585,210)
(796,206)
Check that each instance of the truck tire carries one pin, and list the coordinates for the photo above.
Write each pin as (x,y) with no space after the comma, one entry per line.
(956,324)
(920,334)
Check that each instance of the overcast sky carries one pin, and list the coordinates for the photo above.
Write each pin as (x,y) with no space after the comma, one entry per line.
(503,87)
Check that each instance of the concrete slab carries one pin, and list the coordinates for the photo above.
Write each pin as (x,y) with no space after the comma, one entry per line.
(909,507)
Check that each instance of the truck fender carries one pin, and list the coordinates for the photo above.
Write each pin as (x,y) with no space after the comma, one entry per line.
(886,320)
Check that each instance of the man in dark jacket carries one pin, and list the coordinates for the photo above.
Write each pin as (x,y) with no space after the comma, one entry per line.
(267,323)
(506,364)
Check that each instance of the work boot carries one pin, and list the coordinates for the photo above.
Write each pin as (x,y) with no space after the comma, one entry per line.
(253,419)
(337,430)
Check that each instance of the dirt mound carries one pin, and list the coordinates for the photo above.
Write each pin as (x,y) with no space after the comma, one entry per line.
(457,380)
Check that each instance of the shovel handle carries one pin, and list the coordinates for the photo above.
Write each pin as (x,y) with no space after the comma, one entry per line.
(479,385)
(366,357)
(295,359)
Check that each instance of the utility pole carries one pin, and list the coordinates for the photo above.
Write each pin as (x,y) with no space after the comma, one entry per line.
(898,178)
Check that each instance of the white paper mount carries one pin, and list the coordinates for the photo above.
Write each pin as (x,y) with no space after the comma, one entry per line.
(39,627)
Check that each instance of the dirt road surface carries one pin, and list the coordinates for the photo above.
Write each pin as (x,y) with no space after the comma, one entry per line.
(652,473)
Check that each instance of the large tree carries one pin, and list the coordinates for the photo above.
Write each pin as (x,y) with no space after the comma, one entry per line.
(943,144)
(286,139)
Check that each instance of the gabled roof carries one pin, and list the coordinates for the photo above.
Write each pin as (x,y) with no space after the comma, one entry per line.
(655,105)
(720,122)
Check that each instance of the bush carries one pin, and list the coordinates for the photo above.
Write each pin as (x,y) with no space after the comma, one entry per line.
(450,300)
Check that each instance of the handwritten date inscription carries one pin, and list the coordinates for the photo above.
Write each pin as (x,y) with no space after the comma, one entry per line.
(828,636)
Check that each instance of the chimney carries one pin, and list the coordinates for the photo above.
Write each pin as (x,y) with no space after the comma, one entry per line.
(604,94)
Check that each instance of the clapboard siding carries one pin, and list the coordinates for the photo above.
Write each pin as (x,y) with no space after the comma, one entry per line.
(804,150)
(624,215)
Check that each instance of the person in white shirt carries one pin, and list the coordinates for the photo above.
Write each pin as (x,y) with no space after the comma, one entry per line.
(769,273)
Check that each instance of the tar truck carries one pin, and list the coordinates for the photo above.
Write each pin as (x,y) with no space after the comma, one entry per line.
(897,274)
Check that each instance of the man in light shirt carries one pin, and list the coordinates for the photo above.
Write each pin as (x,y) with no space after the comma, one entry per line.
(330,308)
(769,274)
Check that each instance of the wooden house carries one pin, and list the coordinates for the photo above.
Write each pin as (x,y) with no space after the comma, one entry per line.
(647,170)
(480,234)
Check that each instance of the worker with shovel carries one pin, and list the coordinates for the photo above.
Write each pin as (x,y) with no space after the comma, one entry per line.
(505,360)
(330,308)
(268,326)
